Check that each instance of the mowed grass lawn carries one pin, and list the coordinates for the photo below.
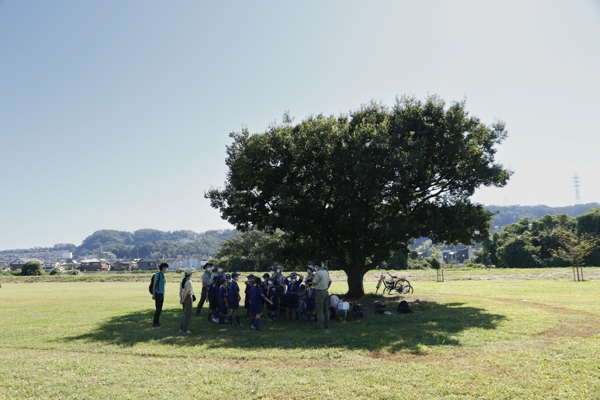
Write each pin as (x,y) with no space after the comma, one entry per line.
(472,338)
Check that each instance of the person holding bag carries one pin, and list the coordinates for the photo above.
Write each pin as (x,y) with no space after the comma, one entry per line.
(186,299)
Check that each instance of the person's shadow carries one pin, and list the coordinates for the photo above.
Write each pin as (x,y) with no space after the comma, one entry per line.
(432,324)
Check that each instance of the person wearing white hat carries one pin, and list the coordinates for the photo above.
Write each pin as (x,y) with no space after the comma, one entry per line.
(186,298)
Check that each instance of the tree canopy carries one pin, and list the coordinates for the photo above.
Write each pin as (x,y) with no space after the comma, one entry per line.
(551,241)
(354,188)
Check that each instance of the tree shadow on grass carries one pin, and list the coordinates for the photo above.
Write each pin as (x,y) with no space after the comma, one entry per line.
(431,325)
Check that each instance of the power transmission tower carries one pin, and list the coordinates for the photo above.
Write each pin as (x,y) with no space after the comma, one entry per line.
(576,185)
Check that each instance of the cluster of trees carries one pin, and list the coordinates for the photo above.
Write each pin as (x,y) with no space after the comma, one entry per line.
(551,241)
(506,215)
(153,243)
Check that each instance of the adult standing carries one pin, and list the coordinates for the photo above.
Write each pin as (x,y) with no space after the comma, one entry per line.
(205,284)
(158,292)
(186,293)
(321,284)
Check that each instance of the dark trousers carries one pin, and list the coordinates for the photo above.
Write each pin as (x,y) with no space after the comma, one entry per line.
(159,299)
(202,299)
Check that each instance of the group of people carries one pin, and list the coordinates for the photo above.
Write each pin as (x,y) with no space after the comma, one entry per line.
(296,293)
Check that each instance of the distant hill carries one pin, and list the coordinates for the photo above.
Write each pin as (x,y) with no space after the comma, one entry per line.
(152,242)
(511,214)
(138,244)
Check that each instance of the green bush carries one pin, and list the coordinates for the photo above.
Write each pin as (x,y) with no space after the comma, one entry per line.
(418,264)
(472,263)
(434,262)
(179,271)
(16,272)
(74,272)
(33,268)
(56,271)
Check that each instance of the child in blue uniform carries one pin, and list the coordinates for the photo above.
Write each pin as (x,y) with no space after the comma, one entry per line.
(249,283)
(213,300)
(278,279)
(234,300)
(265,287)
(256,295)
(273,295)
(310,295)
(293,294)
(223,309)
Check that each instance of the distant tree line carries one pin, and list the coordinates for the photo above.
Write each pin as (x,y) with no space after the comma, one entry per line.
(506,215)
(550,241)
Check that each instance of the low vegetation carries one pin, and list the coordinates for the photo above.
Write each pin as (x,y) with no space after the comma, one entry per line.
(511,334)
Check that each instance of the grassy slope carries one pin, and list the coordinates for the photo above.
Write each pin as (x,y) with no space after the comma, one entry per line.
(466,339)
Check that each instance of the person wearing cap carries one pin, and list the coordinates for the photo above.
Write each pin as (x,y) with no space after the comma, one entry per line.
(208,267)
(186,294)
(158,292)
(234,300)
(321,283)
(273,295)
(292,296)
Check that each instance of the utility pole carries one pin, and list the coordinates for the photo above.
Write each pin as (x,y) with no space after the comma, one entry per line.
(576,186)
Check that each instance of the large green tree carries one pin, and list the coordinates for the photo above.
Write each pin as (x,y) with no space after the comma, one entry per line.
(353,188)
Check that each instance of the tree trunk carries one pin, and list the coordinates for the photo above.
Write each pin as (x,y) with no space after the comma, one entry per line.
(355,273)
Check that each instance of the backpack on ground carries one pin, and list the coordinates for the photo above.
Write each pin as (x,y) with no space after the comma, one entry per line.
(357,310)
(152,284)
(379,306)
(403,307)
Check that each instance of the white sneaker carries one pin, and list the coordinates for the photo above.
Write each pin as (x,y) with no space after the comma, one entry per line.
(188,332)
(180,331)
(215,320)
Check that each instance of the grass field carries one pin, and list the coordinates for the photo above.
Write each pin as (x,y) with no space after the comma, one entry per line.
(502,334)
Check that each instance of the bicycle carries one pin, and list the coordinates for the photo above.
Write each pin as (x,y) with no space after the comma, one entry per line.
(400,285)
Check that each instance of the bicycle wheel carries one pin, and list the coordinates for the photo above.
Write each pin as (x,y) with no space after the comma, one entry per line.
(403,287)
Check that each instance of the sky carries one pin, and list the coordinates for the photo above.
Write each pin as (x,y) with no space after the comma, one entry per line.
(116,115)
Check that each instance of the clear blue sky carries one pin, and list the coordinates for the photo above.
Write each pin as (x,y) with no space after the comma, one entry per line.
(115,114)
